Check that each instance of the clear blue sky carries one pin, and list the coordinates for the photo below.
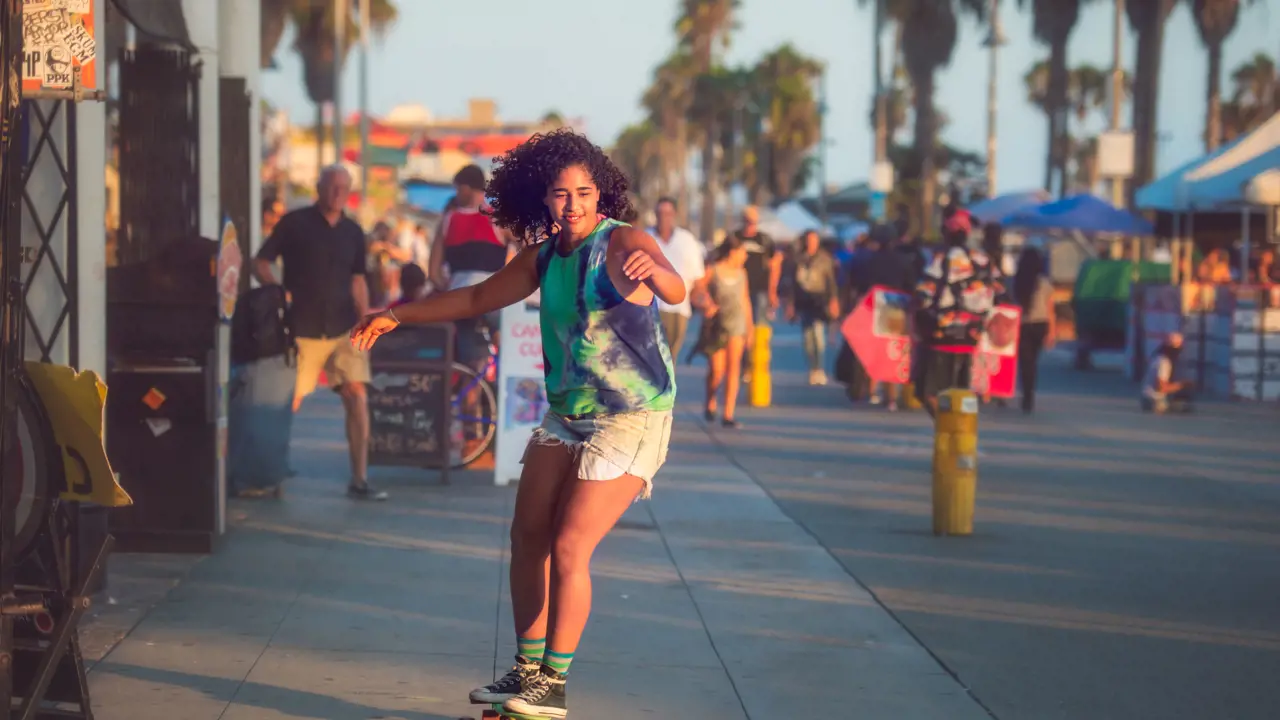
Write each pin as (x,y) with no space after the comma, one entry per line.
(594,58)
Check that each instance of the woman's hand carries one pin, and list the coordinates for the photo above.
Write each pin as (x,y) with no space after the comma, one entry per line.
(639,266)
(710,309)
(372,327)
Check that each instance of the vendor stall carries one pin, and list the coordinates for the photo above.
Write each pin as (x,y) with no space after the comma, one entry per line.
(1232,336)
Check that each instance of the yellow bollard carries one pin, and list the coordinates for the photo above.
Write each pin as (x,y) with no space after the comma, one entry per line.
(761,382)
(955,462)
(908,399)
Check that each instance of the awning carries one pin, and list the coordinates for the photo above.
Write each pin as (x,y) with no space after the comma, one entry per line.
(1222,179)
(157,20)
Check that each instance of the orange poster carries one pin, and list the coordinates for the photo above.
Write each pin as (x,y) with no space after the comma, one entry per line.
(57,37)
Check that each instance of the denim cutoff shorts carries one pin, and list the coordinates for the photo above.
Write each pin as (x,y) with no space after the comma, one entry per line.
(610,446)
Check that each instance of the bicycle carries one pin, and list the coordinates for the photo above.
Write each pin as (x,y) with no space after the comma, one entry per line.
(475,407)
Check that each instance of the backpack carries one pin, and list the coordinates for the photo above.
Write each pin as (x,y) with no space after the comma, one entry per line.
(961,322)
(261,327)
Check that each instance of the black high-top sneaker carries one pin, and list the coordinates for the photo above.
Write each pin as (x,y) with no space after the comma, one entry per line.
(543,696)
(506,687)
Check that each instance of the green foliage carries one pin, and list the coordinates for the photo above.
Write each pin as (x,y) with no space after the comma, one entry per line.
(314,40)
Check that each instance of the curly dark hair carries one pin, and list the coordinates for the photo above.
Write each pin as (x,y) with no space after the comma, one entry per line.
(521,177)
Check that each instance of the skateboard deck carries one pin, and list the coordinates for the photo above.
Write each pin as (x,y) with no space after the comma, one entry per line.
(497,713)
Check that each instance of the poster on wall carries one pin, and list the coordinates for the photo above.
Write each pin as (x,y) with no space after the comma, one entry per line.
(57,38)
(995,362)
(522,396)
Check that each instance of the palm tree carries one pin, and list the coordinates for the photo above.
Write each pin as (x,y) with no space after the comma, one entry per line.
(704,25)
(313,22)
(639,153)
(1085,155)
(553,119)
(1087,89)
(897,101)
(1255,95)
(667,101)
(1053,22)
(928,40)
(277,15)
(784,80)
(1215,21)
(1148,19)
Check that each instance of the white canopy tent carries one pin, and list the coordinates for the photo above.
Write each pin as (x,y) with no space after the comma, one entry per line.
(1221,179)
(1264,189)
(1235,176)
(1226,179)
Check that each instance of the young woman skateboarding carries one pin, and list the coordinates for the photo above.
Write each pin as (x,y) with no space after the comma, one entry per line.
(609,380)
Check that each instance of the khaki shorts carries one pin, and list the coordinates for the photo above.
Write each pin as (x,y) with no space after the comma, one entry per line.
(340,362)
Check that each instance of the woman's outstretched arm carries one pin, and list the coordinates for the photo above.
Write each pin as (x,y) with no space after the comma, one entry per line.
(509,285)
(514,282)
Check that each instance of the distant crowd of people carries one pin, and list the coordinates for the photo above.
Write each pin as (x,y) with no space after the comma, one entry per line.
(1217,268)
(748,278)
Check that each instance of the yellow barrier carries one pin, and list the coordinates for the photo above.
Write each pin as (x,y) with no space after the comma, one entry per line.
(955,462)
(761,382)
(908,397)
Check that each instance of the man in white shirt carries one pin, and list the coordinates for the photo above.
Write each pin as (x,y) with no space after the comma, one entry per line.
(685,254)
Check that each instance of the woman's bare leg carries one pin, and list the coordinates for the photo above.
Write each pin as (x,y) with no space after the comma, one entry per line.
(733,376)
(589,510)
(715,377)
(546,470)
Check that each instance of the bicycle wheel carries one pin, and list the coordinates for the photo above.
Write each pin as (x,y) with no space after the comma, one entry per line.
(475,416)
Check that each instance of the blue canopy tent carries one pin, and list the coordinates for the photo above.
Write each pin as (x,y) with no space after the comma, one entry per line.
(1083,214)
(1221,179)
(1164,194)
(428,197)
(996,209)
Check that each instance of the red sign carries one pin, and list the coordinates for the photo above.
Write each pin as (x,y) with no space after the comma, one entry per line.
(879,331)
(995,363)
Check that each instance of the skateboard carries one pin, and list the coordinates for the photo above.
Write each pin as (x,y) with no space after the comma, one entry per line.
(276,492)
(497,713)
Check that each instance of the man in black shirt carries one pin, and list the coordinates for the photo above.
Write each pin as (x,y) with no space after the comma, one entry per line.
(323,252)
(764,266)
(764,269)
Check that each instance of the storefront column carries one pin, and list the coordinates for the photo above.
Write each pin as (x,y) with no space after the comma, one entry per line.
(91,224)
(202,24)
(239,56)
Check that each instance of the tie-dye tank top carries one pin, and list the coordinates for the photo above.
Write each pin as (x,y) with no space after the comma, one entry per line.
(601,353)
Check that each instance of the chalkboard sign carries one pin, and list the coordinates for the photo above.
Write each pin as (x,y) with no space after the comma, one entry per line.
(410,411)
(415,345)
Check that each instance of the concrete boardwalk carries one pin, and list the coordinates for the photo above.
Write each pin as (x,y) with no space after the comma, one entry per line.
(709,603)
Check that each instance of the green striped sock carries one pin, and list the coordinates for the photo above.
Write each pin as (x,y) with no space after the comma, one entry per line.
(531,649)
(558,662)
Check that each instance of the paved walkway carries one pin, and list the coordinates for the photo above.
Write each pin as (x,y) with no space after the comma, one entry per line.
(1123,566)
(710,603)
